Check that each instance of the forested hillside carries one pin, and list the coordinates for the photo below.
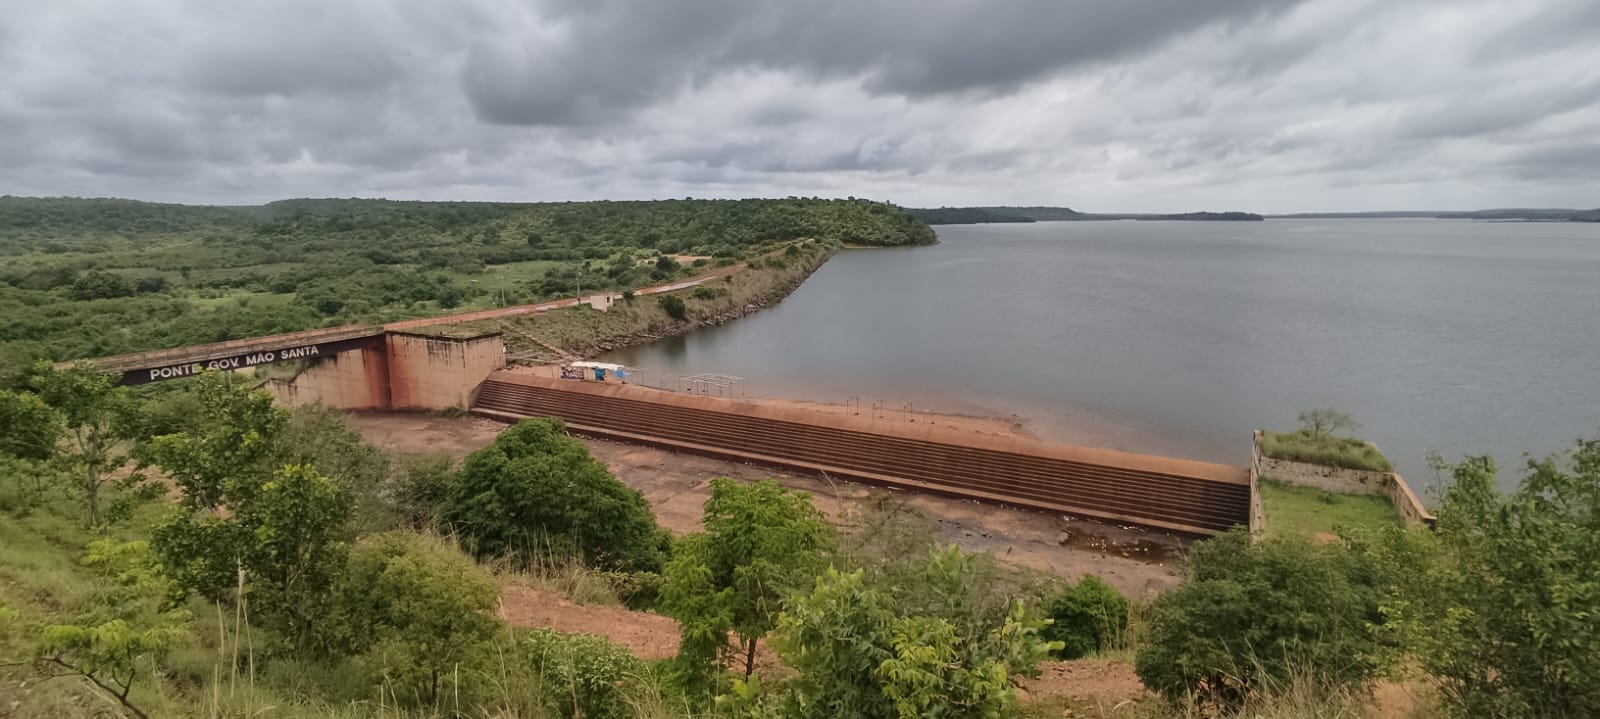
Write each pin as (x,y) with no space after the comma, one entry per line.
(88,277)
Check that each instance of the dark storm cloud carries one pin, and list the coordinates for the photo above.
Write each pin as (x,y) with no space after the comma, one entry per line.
(1101,104)
(586,62)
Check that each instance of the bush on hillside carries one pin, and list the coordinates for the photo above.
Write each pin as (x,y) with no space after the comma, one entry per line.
(420,487)
(864,652)
(1252,616)
(1087,617)
(537,490)
(1501,604)
(420,614)
(674,307)
(584,676)
(29,428)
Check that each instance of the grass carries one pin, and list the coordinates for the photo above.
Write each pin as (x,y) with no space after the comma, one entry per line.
(567,578)
(1346,452)
(513,277)
(1307,511)
(242,299)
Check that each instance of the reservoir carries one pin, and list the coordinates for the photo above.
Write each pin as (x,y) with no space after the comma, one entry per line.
(1179,338)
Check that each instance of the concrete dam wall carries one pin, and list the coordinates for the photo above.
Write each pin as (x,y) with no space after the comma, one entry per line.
(1189,497)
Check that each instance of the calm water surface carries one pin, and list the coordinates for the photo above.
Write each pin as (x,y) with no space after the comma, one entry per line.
(1179,338)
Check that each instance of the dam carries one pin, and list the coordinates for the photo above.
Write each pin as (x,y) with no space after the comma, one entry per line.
(389,368)
(1183,496)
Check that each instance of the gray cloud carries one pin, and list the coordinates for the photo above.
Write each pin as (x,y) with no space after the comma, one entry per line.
(1132,105)
(584,63)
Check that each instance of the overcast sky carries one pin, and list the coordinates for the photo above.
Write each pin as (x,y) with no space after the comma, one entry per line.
(1108,105)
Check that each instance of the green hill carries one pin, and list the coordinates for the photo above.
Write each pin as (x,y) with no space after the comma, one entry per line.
(91,277)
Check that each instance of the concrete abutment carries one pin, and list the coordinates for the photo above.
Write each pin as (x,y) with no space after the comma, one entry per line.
(400,371)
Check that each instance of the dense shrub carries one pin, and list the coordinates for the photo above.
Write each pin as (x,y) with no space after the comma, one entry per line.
(537,490)
(584,676)
(861,653)
(1087,617)
(29,428)
(420,487)
(1251,616)
(419,612)
(674,307)
(99,285)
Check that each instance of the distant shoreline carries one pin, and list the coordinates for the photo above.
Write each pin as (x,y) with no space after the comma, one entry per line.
(988,215)
(1500,215)
(1008,215)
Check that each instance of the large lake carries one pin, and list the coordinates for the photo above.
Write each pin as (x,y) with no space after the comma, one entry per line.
(1179,338)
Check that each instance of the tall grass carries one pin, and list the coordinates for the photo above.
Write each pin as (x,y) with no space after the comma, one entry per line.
(566,577)
(1345,452)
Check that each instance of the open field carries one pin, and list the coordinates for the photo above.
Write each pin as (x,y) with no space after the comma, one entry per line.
(1316,513)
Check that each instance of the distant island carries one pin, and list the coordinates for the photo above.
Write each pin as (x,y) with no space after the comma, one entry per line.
(1514,214)
(980,215)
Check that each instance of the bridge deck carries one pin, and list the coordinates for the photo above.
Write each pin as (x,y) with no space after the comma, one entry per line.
(215,350)
(1167,493)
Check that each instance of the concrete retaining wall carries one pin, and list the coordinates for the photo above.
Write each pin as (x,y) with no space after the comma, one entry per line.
(348,380)
(1258,511)
(1337,479)
(1333,479)
(401,370)
(433,372)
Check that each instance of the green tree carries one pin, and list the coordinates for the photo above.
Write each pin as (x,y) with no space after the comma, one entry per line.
(295,525)
(761,542)
(283,541)
(1250,615)
(1321,422)
(319,436)
(243,509)
(1087,617)
(29,428)
(99,285)
(418,610)
(537,489)
(1502,603)
(228,451)
(674,307)
(100,419)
